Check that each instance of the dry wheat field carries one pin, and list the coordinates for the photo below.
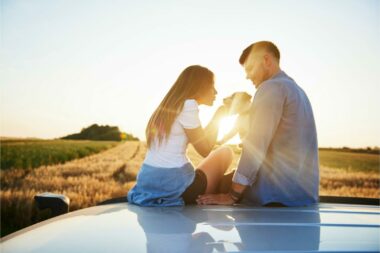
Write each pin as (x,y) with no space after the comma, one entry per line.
(111,173)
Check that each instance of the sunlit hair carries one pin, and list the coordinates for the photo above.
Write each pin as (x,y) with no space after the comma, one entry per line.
(260,45)
(194,80)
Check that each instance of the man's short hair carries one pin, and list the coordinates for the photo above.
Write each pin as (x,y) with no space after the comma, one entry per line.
(266,45)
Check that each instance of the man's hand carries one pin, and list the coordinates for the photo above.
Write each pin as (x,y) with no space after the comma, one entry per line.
(215,199)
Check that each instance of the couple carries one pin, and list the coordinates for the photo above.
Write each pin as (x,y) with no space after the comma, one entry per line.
(279,162)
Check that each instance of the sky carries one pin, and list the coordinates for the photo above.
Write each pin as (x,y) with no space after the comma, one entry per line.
(65,65)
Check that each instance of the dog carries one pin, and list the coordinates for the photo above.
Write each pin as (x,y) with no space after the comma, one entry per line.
(238,103)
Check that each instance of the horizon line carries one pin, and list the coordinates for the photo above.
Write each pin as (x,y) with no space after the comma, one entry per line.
(2,138)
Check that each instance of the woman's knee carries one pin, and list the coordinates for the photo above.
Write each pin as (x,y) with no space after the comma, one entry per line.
(219,160)
(226,153)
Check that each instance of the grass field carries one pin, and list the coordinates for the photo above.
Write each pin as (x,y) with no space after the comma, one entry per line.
(29,154)
(350,161)
(111,173)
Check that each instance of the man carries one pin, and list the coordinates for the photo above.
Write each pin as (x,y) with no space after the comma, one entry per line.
(279,162)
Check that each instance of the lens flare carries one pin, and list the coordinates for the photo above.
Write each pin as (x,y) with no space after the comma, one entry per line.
(225,126)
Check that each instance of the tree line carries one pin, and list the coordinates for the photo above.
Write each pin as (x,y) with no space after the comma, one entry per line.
(101,133)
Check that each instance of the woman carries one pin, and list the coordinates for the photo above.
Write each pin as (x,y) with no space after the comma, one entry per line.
(166,177)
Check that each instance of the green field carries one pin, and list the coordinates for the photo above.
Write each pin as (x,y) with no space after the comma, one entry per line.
(350,161)
(28,154)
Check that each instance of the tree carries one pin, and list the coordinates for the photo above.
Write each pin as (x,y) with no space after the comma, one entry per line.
(103,133)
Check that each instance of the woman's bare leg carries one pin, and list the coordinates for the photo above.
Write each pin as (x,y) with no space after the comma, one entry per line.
(214,166)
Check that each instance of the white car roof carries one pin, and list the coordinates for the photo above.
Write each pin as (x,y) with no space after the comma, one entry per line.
(128,228)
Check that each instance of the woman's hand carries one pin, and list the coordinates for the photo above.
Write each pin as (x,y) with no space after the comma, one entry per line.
(215,199)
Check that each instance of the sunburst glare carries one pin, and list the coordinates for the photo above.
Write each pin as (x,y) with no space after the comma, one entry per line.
(225,126)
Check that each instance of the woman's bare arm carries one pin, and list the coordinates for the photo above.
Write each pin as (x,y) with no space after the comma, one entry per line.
(204,140)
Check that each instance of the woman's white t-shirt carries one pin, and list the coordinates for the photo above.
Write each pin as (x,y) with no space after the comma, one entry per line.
(171,152)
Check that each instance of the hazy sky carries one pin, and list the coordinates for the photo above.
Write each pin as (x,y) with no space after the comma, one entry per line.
(65,65)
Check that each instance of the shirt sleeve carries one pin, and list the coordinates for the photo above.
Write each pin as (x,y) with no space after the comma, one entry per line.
(265,115)
(189,117)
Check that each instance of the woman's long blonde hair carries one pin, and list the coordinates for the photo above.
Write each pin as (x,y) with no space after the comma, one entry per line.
(190,83)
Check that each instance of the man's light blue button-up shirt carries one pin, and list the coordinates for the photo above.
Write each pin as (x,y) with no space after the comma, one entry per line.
(279,159)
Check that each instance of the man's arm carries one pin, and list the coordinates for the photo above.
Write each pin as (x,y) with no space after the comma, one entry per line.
(265,115)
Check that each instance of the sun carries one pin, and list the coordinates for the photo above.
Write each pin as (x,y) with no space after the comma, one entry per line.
(225,126)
